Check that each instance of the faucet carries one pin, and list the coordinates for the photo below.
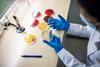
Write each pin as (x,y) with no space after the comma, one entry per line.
(18,27)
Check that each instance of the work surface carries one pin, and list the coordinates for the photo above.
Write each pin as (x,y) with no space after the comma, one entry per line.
(13,46)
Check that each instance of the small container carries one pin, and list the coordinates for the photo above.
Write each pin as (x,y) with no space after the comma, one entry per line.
(36,14)
(35,23)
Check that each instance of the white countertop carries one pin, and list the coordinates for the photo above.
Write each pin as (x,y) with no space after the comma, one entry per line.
(12,45)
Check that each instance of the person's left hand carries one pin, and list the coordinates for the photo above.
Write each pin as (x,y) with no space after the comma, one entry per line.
(54,43)
(59,24)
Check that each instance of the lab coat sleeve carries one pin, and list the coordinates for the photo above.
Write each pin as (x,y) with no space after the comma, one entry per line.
(70,61)
(95,57)
(79,30)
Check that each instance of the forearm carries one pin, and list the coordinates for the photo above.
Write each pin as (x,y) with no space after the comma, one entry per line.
(69,60)
(79,30)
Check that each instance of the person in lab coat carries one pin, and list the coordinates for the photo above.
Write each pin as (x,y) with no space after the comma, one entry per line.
(90,15)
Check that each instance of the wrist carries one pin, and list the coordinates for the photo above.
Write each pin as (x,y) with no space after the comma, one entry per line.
(67,26)
(58,49)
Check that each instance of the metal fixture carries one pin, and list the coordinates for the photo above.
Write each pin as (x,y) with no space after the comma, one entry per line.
(18,27)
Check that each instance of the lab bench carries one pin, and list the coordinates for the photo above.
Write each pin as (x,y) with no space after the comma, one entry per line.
(13,46)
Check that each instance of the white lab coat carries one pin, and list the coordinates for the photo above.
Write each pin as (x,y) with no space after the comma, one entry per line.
(93,49)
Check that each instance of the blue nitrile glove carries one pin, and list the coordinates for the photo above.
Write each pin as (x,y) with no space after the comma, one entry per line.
(54,43)
(59,24)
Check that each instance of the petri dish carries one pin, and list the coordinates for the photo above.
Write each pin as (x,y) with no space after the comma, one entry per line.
(47,35)
(30,39)
(49,12)
(46,18)
(43,26)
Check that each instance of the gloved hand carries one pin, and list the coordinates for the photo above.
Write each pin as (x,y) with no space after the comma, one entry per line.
(59,24)
(54,43)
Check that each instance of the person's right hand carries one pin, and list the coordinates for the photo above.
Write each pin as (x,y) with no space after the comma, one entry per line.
(54,43)
(59,24)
